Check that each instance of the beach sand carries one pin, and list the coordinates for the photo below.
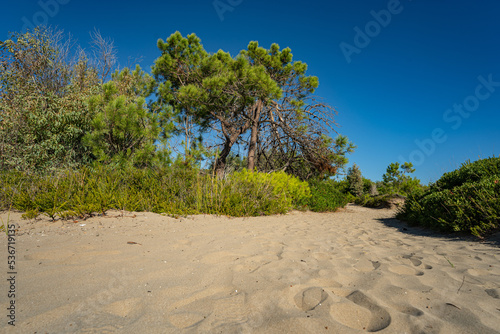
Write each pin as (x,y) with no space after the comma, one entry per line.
(353,271)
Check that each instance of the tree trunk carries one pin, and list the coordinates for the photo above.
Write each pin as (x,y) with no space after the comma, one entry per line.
(252,147)
(220,164)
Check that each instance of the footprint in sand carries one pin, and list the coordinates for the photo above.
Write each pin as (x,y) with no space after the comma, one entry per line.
(405,270)
(183,320)
(363,265)
(495,293)
(375,264)
(366,265)
(410,310)
(361,313)
(209,307)
(310,298)
(125,308)
(415,260)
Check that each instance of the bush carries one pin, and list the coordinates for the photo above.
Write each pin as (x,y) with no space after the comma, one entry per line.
(465,200)
(174,190)
(369,187)
(43,102)
(468,172)
(327,196)
(247,193)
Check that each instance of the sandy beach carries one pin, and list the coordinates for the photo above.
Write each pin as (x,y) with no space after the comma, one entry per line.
(357,270)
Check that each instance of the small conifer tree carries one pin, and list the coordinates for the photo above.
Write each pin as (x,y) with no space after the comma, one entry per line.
(355,181)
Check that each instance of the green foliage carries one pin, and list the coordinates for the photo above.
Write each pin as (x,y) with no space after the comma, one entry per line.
(327,195)
(176,190)
(355,181)
(292,131)
(396,180)
(124,129)
(53,199)
(83,145)
(247,193)
(261,91)
(30,214)
(208,90)
(340,149)
(468,172)
(467,200)
(369,187)
(42,102)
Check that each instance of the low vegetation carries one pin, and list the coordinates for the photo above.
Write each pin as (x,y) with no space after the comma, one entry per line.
(327,195)
(176,191)
(464,200)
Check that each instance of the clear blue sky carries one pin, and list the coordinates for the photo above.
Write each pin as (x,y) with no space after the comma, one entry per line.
(398,72)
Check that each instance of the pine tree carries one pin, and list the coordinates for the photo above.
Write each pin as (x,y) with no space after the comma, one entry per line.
(290,133)
(355,181)
(216,89)
(124,129)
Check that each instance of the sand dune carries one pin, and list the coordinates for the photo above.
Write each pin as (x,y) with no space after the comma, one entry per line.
(353,271)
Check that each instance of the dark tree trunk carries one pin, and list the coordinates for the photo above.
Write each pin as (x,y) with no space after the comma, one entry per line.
(220,163)
(252,147)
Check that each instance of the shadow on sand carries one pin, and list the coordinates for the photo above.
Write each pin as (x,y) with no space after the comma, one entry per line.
(403,227)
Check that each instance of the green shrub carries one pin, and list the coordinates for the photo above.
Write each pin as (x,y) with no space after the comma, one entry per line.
(465,200)
(327,196)
(43,101)
(468,172)
(369,187)
(247,193)
(174,190)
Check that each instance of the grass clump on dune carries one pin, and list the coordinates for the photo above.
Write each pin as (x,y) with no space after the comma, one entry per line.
(464,200)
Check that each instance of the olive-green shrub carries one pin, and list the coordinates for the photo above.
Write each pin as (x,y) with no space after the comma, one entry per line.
(173,190)
(464,200)
(327,195)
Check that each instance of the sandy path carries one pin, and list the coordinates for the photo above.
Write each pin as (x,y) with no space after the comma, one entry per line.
(346,272)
